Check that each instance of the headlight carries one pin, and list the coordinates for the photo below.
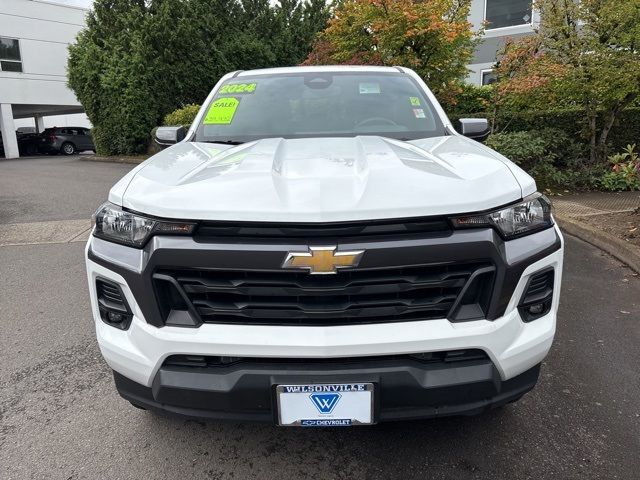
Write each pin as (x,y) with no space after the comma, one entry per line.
(117,225)
(531,215)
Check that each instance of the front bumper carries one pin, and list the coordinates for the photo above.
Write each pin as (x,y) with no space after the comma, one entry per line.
(403,390)
(514,348)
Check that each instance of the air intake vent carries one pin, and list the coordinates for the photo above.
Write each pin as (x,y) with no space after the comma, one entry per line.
(412,226)
(473,302)
(538,296)
(203,361)
(113,307)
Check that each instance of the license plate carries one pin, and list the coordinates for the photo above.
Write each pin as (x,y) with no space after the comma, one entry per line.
(325,405)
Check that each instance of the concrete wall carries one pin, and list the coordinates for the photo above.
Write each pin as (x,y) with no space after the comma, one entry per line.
(493,40)
(44,31)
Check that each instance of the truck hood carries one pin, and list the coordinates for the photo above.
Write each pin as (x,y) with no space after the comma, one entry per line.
(322,180)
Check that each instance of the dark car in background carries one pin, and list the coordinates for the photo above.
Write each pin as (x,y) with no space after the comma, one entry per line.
(28,141)
(67,140)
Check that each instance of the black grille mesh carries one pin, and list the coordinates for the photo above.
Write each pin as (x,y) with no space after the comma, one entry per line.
(348,297)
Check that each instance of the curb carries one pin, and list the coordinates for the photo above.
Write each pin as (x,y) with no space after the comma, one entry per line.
(114,159)
(621,250)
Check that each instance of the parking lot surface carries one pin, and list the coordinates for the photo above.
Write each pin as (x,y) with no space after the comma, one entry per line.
(60,417)
(54,188)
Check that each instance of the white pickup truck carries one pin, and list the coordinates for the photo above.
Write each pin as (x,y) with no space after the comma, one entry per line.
(323,248)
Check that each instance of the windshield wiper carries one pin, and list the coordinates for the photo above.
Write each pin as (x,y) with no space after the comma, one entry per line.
(226,142)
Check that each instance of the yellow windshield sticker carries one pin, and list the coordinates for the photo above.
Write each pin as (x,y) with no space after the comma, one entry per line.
(238,88)
(221,111)
(415,101)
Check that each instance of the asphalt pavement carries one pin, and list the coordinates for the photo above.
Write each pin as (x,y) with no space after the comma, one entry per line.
(60,417)
(54,187)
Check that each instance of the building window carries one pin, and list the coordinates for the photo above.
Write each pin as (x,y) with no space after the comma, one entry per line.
(10,60)
(507,13)
(489,77)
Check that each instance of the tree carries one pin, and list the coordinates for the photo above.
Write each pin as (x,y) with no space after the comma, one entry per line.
(585,55)
(138,60)
(433,37)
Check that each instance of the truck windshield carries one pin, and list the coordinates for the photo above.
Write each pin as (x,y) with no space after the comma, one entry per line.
(318,104)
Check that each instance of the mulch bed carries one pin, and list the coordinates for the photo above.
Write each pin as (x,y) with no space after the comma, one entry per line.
(625,226)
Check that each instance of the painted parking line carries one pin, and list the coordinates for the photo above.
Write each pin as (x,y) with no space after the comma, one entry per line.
(36,233)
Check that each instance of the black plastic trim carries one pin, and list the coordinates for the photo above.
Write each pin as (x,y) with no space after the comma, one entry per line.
(455,313)
(403,390)
(292,297)
(546,300)
(105,306)
(393,228)
(191,317)
(510,258)
(199,225)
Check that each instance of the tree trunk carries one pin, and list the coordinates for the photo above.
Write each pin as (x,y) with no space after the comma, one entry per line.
(593,139)
(610,120)
(494,114)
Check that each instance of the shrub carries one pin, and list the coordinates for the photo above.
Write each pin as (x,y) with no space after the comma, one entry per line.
(625,171)
(182,116)
(570,122)
(550,156)
(472,99)
(524,148)
(137,60)
(529,148)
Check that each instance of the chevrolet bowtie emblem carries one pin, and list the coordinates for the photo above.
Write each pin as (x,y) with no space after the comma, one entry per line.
(323,260)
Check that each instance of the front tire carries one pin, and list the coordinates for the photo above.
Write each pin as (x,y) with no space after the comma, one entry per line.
(68,148)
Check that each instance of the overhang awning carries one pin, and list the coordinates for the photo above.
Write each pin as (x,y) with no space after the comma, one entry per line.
(32,110)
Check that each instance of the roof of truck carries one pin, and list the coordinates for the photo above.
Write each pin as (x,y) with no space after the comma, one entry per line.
(323,68)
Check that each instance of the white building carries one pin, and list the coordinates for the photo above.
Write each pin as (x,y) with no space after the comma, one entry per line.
(34,36)
(502,19)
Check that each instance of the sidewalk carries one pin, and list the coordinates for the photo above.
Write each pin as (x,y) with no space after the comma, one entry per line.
(610,221)
(134,159)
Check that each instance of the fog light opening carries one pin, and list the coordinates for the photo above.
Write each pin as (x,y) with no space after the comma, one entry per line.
(115,317)
(536,309)
(537,298)
(113,307)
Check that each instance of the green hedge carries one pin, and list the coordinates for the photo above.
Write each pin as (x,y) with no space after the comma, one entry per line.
(182,116)
(471,98)
(555,159)
(553,146)
(626,130)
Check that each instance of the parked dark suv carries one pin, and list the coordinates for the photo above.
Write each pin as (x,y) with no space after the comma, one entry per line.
(67,140)
(28,141)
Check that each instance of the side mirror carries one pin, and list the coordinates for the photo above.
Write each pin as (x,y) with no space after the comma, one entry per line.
(166,136)
(475,128)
